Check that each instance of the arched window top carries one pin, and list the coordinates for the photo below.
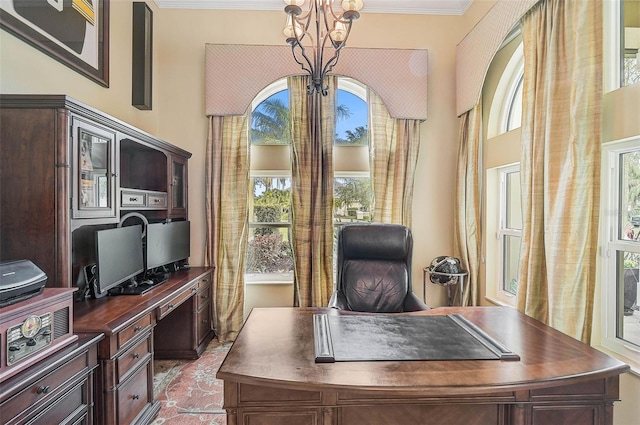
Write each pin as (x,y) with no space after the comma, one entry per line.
(270,114)
(506,108)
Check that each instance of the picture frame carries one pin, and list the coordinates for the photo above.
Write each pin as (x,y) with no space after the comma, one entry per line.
(142,56)
(73,32)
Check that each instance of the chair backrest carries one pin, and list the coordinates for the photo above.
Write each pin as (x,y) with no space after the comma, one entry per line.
(374,266)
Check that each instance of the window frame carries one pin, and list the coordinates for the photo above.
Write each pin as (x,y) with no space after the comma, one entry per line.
(503,231)
(611,243)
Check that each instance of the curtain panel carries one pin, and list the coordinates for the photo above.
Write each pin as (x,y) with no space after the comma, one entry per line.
(560,163)
(467,222)
(394,147)
(226,200)
(312,130)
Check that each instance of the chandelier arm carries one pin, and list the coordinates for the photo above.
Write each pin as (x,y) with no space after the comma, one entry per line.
(305,67)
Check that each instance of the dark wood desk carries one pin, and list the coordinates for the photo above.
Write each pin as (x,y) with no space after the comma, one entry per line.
(135,333)
(270,377)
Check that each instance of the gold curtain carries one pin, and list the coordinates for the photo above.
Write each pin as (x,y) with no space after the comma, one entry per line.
(226,200)
(560,163)
(467,227)
(394,148)
(313,128)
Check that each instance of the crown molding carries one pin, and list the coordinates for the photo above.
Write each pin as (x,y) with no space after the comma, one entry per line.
(411,7)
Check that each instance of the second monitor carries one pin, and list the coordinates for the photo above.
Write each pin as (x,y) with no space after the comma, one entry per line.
(167,245)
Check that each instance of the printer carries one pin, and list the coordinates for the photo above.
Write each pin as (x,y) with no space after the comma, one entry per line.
(20,280)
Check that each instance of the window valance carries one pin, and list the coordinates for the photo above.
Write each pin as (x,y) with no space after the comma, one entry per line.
(475,52)
(235,74)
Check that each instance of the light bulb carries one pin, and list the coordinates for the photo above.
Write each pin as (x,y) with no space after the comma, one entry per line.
(354,5)
(339,32)
(288,28)
(294,2)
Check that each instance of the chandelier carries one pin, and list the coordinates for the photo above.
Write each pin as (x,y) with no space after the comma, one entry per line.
(331,32)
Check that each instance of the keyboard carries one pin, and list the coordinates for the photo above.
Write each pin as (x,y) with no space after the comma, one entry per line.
(139,289)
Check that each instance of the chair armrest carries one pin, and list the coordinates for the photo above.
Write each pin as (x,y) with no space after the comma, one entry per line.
(413,303)
(338,300)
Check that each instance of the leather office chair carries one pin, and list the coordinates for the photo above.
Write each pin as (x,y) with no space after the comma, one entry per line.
(374,269)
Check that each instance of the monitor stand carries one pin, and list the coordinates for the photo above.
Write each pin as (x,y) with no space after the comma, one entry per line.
(87,284)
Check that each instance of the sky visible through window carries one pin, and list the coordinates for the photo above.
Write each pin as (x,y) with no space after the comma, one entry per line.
(357,109)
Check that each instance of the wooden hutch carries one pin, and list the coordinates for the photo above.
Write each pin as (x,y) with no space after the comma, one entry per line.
(67,170)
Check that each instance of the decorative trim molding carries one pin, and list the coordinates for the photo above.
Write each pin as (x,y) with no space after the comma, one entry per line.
(410,7)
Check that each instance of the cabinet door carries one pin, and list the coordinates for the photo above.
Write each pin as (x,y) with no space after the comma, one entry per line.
(178,187)
(94,170)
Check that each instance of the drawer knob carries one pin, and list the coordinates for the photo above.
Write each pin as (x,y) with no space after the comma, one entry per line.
(137,329)
(170,306)
(204,297)
(135,396)
(43,389)
(136,355)
(205,321)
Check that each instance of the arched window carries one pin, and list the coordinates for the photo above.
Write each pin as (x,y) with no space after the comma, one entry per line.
(503,179)
(269,252)
(506,107)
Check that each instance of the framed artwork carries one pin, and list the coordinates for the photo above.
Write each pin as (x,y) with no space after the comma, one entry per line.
(74,32)
(142,61)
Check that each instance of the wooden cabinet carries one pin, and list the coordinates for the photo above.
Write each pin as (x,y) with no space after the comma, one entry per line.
(171,340)
(71,168)
(56,390)
(132,325)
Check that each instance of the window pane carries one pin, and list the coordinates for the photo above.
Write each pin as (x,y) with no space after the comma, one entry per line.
(269,251)
(629,223)
(271,200)
(514,116)
(351,120)
(514,209)
(270,121)
(631,42)
(511,263)
(628,327)
(352,199)
(269,245)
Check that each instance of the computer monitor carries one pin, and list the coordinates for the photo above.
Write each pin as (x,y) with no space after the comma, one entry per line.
(167,243)
(119,256)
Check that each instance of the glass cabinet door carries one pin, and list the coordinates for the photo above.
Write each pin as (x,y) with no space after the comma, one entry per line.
(94,171)
(178,185)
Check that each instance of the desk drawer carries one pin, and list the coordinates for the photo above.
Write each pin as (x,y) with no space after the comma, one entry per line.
(70,408)
(202,299)
(133,199)
(203,325)
(43,390)
(133,330)
(157,201)
(134,395)
(136,355)
(170,305)
(205,282)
